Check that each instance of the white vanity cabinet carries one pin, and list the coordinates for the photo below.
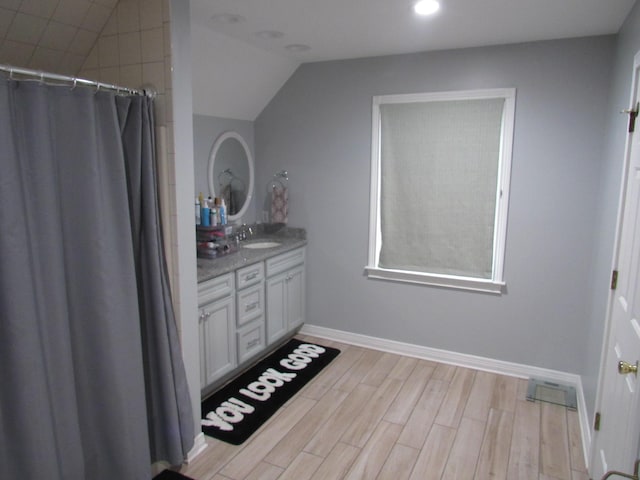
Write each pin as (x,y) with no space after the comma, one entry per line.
(285,293)
(217,318)
(247,310)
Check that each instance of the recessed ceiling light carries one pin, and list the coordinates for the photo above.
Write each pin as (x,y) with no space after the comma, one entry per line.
(426,7)
(227,18)
(298,47)
(269,34)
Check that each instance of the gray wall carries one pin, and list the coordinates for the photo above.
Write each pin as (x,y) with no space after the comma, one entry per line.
(318,127)
(206,130)
(628,44)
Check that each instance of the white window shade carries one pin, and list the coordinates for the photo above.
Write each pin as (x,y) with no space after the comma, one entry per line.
(438,181)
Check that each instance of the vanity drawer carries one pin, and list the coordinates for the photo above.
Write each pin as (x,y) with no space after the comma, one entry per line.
(250,303)
(285,261)
(216,288)
(250,340)
(246,276)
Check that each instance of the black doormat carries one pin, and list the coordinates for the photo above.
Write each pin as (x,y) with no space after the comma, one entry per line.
(171,475)
(233,413)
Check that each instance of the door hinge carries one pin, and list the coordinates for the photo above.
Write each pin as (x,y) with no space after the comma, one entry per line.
(596,422)
(614,279)
(633,114)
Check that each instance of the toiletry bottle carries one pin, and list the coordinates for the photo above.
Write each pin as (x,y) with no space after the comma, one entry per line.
(224,207)
(197,211)
(216,202)
(222,211)
(205,215)
(214,216)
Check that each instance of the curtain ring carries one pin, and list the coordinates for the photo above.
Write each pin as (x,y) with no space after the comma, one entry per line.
(41,78)
(11,73)
(75,83)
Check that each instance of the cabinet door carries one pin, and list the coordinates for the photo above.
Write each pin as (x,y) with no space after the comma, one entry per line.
(295,297)
(217,342)
(276,307)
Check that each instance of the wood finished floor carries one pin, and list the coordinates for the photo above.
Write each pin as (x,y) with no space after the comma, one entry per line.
(375,415)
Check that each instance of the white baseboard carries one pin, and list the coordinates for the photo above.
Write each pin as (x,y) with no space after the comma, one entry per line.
(199,446)
(464,360)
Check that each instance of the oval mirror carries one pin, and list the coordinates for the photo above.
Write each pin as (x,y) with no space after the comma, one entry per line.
(230,173)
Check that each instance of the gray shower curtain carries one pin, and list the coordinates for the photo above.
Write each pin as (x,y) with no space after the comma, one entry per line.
(92,384)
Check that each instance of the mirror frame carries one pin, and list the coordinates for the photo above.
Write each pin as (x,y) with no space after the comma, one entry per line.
(212,159)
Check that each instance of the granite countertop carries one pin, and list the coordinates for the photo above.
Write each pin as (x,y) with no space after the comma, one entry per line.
(287,237)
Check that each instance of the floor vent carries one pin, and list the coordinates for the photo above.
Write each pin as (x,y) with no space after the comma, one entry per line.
(551,392)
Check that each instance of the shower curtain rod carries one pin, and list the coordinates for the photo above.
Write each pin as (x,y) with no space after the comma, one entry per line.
(72,81)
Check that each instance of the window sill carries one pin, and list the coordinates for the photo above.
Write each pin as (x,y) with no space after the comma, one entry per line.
(445,281)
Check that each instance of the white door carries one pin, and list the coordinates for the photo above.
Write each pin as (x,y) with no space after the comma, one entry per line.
(616,444)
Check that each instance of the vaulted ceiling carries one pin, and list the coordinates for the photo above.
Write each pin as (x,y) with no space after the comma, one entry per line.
(318,30)
(244,50)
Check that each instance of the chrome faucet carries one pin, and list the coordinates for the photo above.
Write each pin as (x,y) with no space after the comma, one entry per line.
(245,233)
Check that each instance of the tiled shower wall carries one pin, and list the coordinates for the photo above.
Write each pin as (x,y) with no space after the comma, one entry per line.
(134,50)
(51,35)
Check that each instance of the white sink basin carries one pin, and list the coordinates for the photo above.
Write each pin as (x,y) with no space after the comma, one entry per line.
(267,244)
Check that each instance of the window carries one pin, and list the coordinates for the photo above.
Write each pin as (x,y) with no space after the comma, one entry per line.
(439,188)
